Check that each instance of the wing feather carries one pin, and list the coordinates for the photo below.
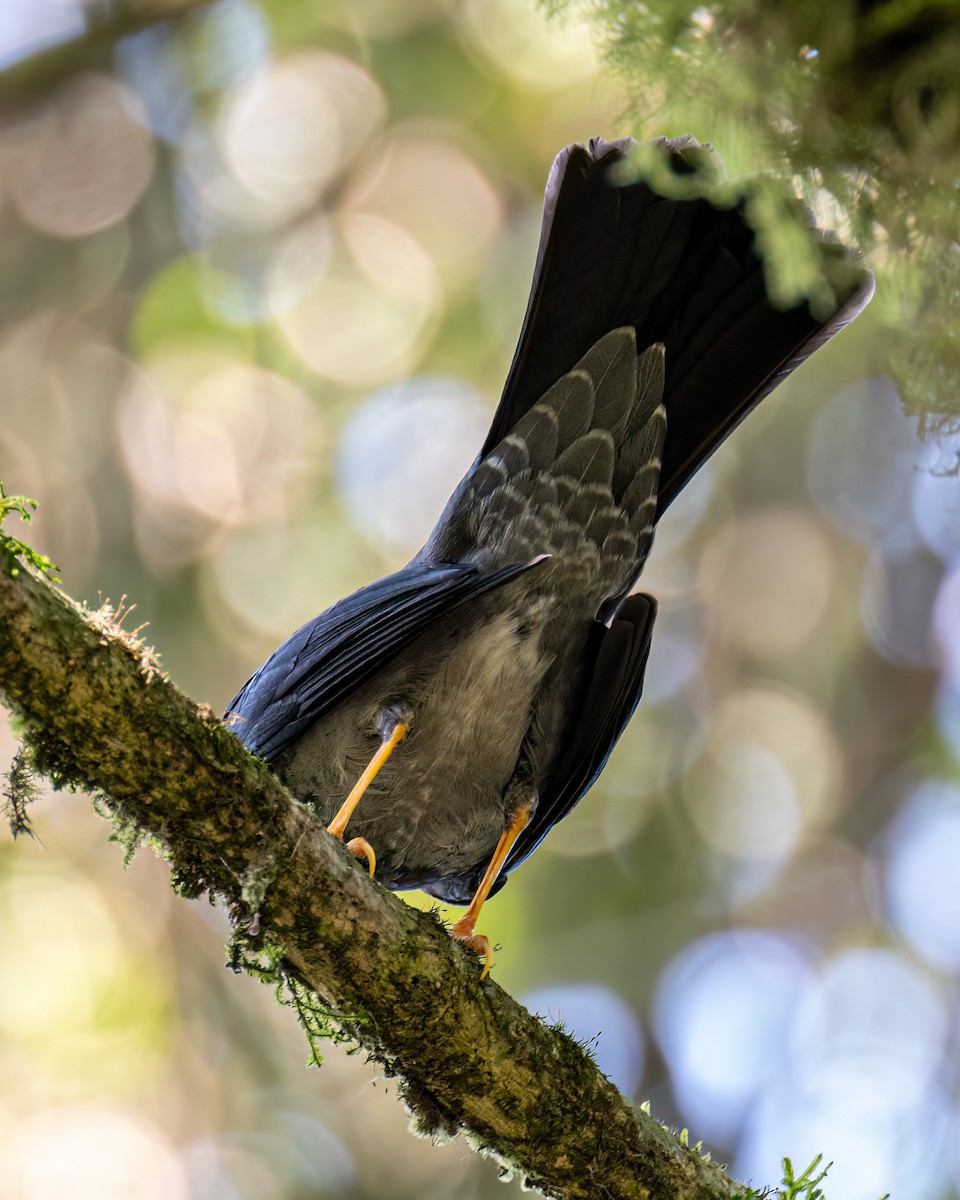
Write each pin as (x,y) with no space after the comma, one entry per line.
(337,652)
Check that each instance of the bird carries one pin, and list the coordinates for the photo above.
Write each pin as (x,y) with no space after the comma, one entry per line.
(444,718)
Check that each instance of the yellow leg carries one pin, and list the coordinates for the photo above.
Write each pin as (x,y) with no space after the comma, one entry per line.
(463,930)
(359,846)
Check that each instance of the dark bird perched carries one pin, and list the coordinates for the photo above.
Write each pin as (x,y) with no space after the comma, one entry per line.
(472,698)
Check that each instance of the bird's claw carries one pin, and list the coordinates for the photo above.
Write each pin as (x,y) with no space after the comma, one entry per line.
(360,848)
(476,942)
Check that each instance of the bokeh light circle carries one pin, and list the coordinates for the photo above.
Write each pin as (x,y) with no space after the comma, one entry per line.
(65,939)
(861,457)
(721,1014)
(766,578)
(28,28)
(936,496)
(769,775)
(402,453)
(923,850)
(288,128)
(369,310)
(272,578)
(862,1086)
(426,184)
(90,1152)
(871,1029)
(898,593)
(211,441)
(88,162)
(946,626)
(523,41)
(907,1155)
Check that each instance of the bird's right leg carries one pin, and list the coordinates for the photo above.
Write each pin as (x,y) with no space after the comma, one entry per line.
(463,930)
(360,846)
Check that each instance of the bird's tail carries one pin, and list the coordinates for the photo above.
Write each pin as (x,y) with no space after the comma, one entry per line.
(680,270)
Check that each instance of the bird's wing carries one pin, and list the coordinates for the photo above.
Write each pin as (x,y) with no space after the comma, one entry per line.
(331,656)
(606,703)
(681,271)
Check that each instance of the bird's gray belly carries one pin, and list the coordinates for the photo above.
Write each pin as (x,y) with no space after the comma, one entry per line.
(437,807)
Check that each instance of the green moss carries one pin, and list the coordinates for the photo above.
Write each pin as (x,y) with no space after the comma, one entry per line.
(124,832)
(19,792)
(257,880)
(248,951)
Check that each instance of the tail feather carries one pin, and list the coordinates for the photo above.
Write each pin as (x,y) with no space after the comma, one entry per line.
(612,366)
(571,398)
(681,272)
(589,459)
(540,430)
(642,440)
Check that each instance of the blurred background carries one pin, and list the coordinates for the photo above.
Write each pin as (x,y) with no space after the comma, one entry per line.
(261,275)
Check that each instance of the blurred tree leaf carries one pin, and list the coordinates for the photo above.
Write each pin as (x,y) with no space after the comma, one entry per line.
(173,310)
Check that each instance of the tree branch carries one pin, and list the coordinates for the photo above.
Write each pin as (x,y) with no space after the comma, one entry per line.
(100,715)
(33,77)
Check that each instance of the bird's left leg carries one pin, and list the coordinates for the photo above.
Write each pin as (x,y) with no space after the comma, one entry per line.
(358,846)
(463,930)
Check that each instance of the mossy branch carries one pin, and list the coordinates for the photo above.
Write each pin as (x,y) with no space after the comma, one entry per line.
(99,715)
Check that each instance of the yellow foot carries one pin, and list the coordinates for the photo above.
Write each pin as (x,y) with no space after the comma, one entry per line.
(463,932)
(360,848)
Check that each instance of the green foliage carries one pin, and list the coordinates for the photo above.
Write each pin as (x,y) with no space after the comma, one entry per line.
(859,104)
(798,264)
(13,551)
(805,1186)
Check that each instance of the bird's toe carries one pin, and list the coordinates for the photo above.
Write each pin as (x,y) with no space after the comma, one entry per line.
(476,942)
(360,848)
